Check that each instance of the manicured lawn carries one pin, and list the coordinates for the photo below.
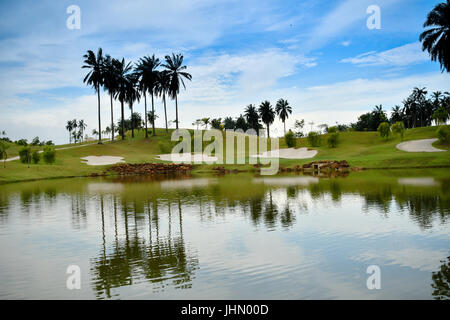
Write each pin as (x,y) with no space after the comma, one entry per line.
(360,149)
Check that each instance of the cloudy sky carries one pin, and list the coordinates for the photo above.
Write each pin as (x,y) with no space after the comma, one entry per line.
(319,55)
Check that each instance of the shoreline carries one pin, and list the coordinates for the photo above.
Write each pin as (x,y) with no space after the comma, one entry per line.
(107,172)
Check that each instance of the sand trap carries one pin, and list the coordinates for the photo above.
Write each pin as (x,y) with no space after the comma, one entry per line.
(186,157)
(291,153)
(423,145)
(101,160)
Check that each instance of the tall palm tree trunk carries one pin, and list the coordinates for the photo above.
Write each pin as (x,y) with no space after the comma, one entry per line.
(153,118)
(268,134)
(123,121)
(176,110)
(284,123)
(145,116)
(165,112)
(99,123)
(132,122)
(112,119)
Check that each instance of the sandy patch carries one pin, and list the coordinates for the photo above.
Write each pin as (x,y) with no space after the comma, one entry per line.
(101,160)
(423,145)
(290,153)
(186,157)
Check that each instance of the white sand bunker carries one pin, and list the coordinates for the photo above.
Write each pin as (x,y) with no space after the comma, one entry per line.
(101,160)
(291,153)
(423,145)
(187,157)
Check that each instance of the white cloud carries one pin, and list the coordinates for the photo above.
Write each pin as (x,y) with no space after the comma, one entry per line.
(345,43)
(407,54)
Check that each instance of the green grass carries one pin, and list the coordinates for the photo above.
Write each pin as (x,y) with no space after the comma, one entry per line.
(360,149)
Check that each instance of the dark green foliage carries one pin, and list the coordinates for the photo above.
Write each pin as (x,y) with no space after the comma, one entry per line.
(333,140)
(399,129)
(384,129)
(22,142)
(314,139)
(25,155)
(49,155)
(35,156)
(443,133)
(290,139)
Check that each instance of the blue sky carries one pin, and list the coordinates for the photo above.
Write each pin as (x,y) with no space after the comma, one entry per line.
(319,55)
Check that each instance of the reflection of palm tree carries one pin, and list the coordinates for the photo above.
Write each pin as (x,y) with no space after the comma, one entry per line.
(441,281)
(162,262)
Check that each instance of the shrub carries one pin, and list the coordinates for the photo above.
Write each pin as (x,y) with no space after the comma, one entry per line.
(35,156)
(332,129)
(314,139)
(35,141)
(443,133)
(25,155)
(290,139)
(399,129)
(333,140)
(49,155)
(384,129)
(22,142)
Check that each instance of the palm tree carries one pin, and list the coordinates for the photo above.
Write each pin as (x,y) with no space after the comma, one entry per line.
(82,126)
(252,118)
(205,122)
(420,97)
(283,109)
(162,87)
(110,84)
(122,74)
(132,95)
(94,78)
(436,39)
(69,128)
(174,67)
(267,115)
(148,78)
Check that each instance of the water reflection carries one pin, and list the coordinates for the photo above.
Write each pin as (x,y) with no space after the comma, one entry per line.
(441,281)
(137,228)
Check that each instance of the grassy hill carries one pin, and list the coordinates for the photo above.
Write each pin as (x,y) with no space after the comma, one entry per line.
(361,149)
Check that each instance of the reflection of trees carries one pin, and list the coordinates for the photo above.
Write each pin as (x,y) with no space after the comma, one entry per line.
(78,209)
(441,281)
(161,259)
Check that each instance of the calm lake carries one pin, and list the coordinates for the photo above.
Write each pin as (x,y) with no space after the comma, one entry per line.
(233,237)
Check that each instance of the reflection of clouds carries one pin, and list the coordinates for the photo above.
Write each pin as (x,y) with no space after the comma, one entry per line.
(422,182)
(415,258)
(287,181)
(104,187)
(187,183)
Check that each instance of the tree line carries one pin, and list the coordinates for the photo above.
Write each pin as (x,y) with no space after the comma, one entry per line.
(417,110)
(128,83)
(252,118)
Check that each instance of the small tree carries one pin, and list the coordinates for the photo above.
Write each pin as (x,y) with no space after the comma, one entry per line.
(25,155)
(49,155)
(440,115)
(35,141)
(290,139)
(3,153)
(443,133)
(314,139)
(399,129)
(35,156)
(384,129)
(298,127)
(333,140)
